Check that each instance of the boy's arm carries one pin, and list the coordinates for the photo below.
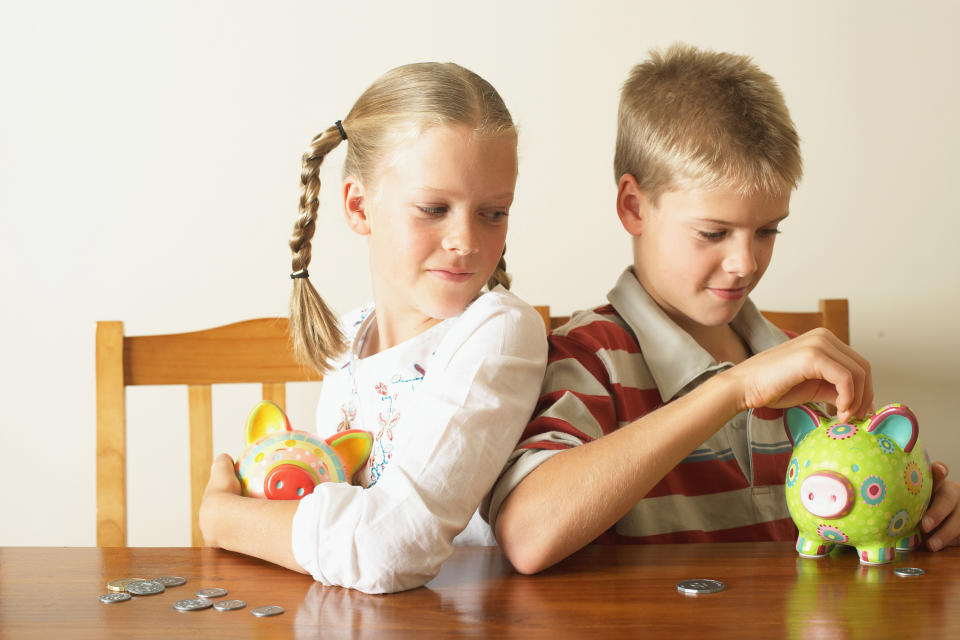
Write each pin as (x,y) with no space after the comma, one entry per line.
(577,494)
(255,527)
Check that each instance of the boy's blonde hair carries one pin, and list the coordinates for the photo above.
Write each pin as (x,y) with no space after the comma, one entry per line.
(700,119)
(398,106)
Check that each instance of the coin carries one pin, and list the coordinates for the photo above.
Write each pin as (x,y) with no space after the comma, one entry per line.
(229,605)
(908,572)
(114,596)
(262,612)
(145,588)
(120,584)
(699,586)
(170,581)
(212,592)
(192,604)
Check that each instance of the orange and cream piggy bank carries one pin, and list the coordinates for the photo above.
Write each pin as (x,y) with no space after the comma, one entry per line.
(281,463)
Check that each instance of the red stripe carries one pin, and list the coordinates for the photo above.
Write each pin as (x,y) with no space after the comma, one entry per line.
(632,403)
(603,334)
(562,347)
(776,530)
(766,413)
(546,444)
(701,479)
(771,468)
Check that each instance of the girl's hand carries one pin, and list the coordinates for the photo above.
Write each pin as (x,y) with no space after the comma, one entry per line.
(941,523)
(814,367)
(223,482)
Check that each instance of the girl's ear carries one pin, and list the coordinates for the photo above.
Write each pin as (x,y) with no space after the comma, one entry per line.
(632,204)
(354,206)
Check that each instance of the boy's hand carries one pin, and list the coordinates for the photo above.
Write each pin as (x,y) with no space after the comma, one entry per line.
(941,523)
(814,367)
(223,482)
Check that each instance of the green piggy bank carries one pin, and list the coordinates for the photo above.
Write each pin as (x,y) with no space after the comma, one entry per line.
(864,483)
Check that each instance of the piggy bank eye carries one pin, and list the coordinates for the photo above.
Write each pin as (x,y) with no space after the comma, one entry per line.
(827,495)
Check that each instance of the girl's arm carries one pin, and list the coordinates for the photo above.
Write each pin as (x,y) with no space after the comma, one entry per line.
(255,527)
(576,495)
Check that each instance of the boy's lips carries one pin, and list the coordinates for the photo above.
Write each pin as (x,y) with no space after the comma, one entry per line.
(728,294)
(452,275)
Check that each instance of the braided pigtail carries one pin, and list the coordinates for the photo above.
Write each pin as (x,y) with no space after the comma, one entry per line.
(500,275)
(314,328)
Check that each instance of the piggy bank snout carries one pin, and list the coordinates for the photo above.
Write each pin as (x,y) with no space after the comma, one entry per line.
(288,482)
(827,494)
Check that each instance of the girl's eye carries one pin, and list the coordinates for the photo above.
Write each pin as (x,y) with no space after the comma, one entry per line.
(432,210)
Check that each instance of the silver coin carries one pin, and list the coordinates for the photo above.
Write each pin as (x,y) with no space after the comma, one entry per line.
(229,605)
(699,586)
(263,612)
(192,604)
(116,596)
(170,581)
(908,572)
(145,588)
(212,592)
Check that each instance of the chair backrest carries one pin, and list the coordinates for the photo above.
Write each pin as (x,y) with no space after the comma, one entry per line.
(243,352)
(833,314)
(251,351)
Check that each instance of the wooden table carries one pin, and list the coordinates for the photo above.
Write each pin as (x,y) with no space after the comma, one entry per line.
(602,591)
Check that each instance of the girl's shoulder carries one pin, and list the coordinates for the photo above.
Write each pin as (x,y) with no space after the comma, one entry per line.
(500,319)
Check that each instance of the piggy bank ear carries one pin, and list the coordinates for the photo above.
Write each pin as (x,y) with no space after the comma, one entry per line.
(799,421)
(896,422)
(265,418)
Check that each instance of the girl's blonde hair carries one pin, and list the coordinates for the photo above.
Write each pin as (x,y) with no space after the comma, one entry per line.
(691,118)
(400,105)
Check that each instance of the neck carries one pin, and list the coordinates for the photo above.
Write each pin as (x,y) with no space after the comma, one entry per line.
(722,343)
(391,329)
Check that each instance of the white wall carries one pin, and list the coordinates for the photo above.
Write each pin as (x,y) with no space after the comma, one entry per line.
(149,159)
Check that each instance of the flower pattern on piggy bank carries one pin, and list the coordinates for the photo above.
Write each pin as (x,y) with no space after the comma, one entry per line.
(863,483)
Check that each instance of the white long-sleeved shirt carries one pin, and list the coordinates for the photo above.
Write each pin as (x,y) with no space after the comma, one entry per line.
(446,409)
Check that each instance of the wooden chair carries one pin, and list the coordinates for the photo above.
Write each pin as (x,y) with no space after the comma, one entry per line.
(251,351)
(834,314)
(243,352)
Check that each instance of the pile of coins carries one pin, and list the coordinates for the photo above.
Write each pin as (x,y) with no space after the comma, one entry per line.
(124,589)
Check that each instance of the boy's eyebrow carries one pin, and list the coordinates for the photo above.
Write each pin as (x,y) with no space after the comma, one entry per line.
(723,222)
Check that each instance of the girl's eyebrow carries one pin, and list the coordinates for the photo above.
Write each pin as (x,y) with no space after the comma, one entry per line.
(436,190)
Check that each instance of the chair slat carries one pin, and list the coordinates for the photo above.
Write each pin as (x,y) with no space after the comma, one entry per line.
(276,392)
(251,351)
(111,437)
(201,452)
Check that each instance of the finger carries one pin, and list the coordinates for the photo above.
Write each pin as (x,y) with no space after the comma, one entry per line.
(946,534)
(940,471)
(946,495)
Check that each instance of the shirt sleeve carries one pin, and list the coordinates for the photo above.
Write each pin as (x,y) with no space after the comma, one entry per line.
(578,403)
(470,410)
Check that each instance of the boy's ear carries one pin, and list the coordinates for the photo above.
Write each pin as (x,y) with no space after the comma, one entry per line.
(354,206)
(632,204)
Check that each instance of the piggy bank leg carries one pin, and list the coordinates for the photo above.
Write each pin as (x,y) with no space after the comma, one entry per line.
(876,554)
(813,547)
(912,541)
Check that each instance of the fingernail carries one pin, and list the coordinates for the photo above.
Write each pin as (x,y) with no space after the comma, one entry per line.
(934,544)
(927,524)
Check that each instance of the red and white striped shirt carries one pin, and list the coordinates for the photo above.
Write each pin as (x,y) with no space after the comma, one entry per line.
(614,364)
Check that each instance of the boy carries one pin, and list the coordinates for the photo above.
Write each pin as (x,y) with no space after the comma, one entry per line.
(680,367)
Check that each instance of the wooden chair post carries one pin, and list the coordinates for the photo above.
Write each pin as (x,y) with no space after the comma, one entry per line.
(836,317)
(201,452)
(111,437)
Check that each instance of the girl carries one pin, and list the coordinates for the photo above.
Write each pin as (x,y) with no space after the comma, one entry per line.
(443,374)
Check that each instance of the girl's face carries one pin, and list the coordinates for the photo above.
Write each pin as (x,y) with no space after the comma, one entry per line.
(437,221)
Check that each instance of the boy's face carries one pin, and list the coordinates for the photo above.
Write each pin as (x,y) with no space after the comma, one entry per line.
(700,253)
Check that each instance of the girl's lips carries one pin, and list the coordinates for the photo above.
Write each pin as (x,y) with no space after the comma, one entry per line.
(452,276)
(729,294)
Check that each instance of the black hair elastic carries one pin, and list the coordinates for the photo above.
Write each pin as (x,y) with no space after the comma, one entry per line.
(343,134)
(303,273)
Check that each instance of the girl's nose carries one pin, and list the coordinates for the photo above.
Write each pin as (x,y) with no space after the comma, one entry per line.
(460,236)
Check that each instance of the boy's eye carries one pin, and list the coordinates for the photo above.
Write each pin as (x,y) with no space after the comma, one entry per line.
(768,233)
(712,235)
(496,215)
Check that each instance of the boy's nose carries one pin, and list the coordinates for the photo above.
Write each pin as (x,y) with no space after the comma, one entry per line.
(460,237)
(740,262)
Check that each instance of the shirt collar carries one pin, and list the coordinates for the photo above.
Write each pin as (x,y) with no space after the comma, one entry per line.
(673,357)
